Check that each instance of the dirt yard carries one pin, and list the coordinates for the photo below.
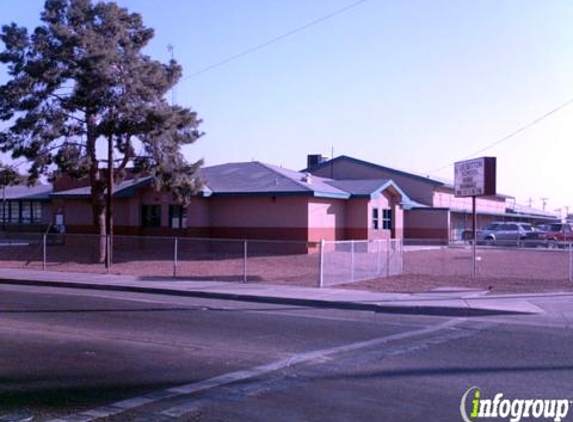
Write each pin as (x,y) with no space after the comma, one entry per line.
(502,270)
(499,270)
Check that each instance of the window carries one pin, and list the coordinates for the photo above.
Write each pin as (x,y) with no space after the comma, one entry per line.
(36,212)
(375,217)
(20,212)
(387,219)
(150,215)
(14,212)
(26,212)
(4,212)
(511,227)
(177,217)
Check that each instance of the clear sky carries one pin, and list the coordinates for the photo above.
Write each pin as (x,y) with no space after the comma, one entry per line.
(411,84)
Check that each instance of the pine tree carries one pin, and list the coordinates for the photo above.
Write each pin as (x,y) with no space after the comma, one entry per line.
(9,176)
(82,76)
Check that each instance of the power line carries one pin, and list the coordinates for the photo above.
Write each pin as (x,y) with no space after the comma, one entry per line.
(276,39)
(512,134)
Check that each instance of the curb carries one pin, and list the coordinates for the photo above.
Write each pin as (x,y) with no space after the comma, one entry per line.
(355,306)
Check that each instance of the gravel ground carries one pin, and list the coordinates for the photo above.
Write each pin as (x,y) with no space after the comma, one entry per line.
(499,270)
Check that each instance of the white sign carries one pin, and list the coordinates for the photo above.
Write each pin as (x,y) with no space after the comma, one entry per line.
(475,177)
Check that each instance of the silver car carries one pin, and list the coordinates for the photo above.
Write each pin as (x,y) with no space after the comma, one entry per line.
(511,233)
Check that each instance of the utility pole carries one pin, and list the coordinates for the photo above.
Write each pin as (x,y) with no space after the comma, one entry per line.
(544,201)
(109,201)
(332,161)
(4,201)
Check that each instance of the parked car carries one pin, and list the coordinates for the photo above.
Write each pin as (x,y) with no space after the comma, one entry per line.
(511,233)
(557,234)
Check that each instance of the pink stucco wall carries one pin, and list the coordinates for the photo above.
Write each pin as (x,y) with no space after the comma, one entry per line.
(326,219)
(280,217)
(198,213)
(121,211)
(426,224)
(47,213)
(398,220)
(259,211)
(359,217)
(76,212)
(262,217)
(386,201)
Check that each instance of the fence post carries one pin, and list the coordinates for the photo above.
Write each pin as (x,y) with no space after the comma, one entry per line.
(388,258)
(570,262)
(245,255)
(321,264)
(352,260)
(175,256)
(44,252)
(401,244)
(108,254)
(378,258)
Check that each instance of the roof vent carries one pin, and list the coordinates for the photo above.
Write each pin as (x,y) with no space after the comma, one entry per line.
(306,178)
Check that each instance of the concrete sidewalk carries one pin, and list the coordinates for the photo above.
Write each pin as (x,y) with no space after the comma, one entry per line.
(444,302)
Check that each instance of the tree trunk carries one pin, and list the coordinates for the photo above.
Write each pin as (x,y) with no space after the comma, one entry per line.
(97,186)
(98,212)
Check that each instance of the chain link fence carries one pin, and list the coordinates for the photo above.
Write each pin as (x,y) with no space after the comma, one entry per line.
(286,262)
(412,264)
(358,260)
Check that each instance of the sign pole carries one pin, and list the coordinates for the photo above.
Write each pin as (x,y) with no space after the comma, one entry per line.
(475,177)
(474,230)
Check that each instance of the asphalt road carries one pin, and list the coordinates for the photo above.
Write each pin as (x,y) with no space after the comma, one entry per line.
(109,356)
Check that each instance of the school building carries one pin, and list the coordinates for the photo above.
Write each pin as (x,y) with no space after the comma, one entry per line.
(250,200)
(432,212)
(339,199)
